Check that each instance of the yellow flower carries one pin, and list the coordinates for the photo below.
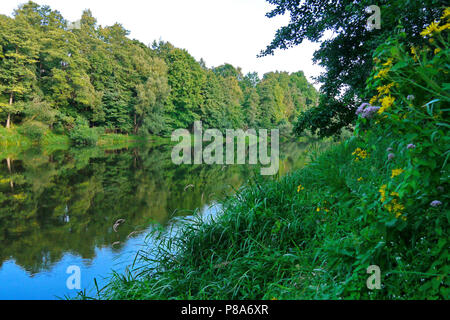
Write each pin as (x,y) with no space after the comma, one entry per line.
(397,172)
(300,188)
(382,73)
(383,192)
(398,207)
(385,89)
(360,154)
(373,100)
(395,207)
(444,27)
(414,53)
(388,63)
(318,209)
(437,50)
(386,102)
(432,28)
(360,179)
(395,194)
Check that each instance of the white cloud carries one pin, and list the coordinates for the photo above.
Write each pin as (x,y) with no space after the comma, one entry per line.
(219,31)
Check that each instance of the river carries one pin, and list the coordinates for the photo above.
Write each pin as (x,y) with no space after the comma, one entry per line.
(91,208)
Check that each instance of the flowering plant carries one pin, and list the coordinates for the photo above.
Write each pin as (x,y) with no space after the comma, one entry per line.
(410,87)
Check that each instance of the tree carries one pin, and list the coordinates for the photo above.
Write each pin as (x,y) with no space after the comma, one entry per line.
(151,99)
(347,57)
(213,107)
(186,79)
(18,59)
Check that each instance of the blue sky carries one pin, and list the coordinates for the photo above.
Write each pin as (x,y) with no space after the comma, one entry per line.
(219,31)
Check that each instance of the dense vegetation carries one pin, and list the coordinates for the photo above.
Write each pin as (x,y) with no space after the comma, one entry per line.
(346,55)
(87,81)
(380,198)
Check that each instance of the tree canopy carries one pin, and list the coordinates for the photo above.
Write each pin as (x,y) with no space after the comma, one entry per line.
(347,54)
(96,76)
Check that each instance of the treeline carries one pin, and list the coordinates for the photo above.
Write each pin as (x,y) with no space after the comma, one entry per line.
(73,79)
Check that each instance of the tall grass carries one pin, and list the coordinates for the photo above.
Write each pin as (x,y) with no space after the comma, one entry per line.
(276,240)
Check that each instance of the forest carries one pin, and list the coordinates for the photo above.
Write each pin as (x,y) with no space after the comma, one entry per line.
(93,79)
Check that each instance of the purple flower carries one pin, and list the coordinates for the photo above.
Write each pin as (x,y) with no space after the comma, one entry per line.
(411,146)
(369,112)
(361,108)
(366,110)
(391,156)
(435,203)
(410,97)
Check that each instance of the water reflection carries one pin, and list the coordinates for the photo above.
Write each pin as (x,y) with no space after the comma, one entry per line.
(89,207)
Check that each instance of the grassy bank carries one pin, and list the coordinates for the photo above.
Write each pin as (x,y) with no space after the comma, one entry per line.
(14,138)
(310,235)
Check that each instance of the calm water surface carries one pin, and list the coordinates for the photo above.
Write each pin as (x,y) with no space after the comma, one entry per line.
(58,209)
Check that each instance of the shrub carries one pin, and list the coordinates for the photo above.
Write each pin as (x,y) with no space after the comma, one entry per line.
(33,129)
(82,134)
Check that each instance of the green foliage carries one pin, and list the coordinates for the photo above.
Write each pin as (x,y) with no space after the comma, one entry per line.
(82,134)
(346,56)
(122,85)
(32,129)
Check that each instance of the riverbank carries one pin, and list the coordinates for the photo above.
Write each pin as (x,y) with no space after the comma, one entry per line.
(310,235)
(12,141)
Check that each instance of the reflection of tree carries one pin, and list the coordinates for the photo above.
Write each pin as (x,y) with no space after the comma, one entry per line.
(69,201)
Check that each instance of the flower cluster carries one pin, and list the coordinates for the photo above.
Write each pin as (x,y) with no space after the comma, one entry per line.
(366,111)
(397,172)
(434,27)
(386,102)
(360,154)
(383,73)
(435,203)
(396,207)
(393,206)
(383,192)
(385,89)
